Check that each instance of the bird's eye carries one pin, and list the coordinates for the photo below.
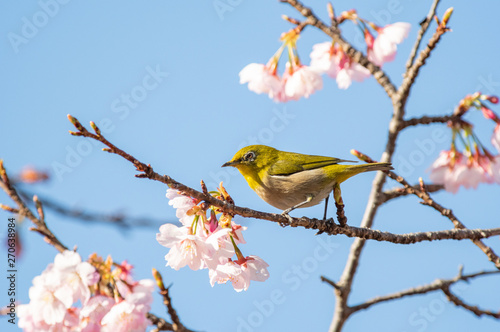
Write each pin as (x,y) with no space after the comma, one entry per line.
(249,156)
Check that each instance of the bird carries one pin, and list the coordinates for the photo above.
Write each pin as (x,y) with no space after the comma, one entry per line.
(288,180)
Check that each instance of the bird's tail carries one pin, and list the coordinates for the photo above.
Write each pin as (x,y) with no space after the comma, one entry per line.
(351,170)
(373,167)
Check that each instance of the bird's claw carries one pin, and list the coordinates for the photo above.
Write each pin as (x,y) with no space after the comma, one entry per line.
(287,216)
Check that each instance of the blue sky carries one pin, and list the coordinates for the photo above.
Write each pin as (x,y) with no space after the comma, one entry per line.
(191,115)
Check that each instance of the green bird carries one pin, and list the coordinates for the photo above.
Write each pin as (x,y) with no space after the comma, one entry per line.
(288,180)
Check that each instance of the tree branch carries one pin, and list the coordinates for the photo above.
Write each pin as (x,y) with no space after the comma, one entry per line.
(399,192)
(424,25)
(167,301)
(474,309)
(412,72)
(160,323)
(399,100)
(117,219)
(353,53)
(330,282)
(428,120)
(439,284)
(448,213)
(327,226)
(39,222)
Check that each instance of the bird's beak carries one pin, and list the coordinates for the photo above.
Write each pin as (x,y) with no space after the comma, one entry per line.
(231,163)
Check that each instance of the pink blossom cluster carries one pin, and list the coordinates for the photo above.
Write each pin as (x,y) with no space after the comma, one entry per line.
(66,283)
(454,169)
(476,164)
(329,58)
(205,242)
(296,82)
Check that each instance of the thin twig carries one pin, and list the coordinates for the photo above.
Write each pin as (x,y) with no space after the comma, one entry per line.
(439,284)
(474,309)
(330,282)
(353,53)
(399,192)
(177,326)
(448,213)
(160,323)
(39,222)
(456,116)
(428,120)
(41,227)
(424,25)
(117,219)
(167,301)
(412,72)
(9,209)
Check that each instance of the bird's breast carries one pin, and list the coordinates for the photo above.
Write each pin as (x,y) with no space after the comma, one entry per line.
(285,191)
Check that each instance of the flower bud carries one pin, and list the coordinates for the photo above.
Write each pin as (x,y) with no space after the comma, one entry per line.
(362,156)
(487,113)
(446,16)
(493,99)
(331,12)
(158,279)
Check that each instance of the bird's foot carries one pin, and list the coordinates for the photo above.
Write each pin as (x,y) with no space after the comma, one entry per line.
(341,215)
(287,216)
(330,223)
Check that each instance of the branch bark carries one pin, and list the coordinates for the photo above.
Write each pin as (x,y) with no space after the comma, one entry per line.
(326,226)
(117,219)
(448,213)
(424,25)
(39,222)
(439,284)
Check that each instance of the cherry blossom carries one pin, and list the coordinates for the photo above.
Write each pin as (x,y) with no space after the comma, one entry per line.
(48,300)
(335,63)
(261,79)
(240,272)
(468,174)
(237,231)
(182,204)
(192,250)
(442,170)
(384,47)
(65,283)
(453,169)
(93,311)
(495,138)
(303,82)
(130,313)
(208,242)
(53,293)
(76,276)
(495,169)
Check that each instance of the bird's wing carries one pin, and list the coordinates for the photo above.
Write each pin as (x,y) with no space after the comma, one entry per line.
(295,162)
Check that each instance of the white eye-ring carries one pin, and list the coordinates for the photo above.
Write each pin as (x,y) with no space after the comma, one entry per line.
(249,156)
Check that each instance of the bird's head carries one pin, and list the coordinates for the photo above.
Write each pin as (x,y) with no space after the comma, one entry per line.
(253,159)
